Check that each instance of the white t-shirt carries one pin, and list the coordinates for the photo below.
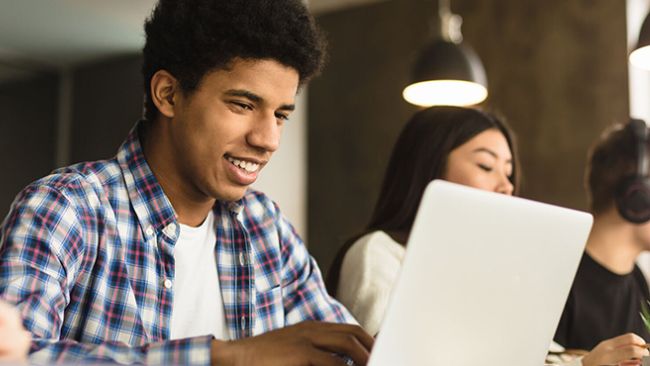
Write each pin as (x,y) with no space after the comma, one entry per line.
(198,306)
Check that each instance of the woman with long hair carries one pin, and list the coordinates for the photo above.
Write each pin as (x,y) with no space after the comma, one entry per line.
(461,145)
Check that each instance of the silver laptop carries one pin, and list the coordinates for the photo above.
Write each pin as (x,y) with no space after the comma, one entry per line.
(483,282)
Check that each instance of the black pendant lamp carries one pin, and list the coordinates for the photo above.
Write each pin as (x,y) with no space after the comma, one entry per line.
(446,71)
(640,56)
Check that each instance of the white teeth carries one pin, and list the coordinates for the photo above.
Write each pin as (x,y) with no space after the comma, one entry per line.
(246,165)
(251,167)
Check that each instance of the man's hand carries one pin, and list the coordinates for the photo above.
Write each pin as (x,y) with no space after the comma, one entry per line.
(626,349)
(14,339)
(307,343)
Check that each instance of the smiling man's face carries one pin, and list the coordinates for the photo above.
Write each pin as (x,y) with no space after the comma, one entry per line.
(225,131)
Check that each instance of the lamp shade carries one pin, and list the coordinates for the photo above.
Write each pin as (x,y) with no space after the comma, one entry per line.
(447,73)
(640,57)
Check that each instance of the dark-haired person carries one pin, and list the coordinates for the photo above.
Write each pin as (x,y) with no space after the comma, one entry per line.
(163,255)
(608,291)
(461,145)
(14,339)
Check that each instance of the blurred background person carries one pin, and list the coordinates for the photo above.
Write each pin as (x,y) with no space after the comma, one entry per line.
(460,145)
(609,289)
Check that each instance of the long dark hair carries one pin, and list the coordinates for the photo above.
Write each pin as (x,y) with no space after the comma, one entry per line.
(420,156)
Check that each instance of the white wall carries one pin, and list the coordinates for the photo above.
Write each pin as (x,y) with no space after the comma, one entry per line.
(639,80)
(639,84)
(284,179)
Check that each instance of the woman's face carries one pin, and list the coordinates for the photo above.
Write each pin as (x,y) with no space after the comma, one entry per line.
(483,162)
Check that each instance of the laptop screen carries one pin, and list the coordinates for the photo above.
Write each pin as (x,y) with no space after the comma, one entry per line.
(483,282)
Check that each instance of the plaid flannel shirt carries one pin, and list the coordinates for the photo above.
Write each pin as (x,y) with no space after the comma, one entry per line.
(87,253)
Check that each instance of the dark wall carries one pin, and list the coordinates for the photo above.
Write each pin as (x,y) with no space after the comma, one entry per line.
(27,134)
(107,103)
(557,70)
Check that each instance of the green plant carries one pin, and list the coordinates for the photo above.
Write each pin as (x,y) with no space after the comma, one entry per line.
(645,314)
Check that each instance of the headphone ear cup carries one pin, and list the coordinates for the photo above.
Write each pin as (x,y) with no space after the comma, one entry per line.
(633,199)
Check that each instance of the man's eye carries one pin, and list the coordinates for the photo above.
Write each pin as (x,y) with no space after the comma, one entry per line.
(282,117)
(242,106)
(485,167)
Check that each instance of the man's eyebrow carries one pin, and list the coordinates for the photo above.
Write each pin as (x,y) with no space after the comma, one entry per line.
(486,150)
(287,107)
(255,98)
(244,94)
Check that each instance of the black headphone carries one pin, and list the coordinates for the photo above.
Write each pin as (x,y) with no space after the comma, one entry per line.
(633,192)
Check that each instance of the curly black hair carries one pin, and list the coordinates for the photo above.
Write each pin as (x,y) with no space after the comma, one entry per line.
(190,38)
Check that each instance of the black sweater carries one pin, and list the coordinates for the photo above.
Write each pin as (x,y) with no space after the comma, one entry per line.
(602,305)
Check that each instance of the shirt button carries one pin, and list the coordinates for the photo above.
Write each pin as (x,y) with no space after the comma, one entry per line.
(149,231)
(167,283)
(242,259)
(170,230)
(243,322)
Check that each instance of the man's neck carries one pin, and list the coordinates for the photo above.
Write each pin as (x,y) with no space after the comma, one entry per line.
(612,243)
(190,207)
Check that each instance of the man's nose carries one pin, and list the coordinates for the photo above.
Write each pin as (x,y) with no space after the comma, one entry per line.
(265,134)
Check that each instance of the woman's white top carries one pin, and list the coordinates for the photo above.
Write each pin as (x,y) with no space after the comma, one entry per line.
(198,306)
(368,273)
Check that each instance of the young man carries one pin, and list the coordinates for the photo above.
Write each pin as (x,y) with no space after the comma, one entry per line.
(145,257)
(609,288)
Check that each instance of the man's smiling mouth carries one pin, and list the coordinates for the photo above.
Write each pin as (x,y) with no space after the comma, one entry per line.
(248,166)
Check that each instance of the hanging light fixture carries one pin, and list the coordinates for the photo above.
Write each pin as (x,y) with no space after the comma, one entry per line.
(640,56)
(447,72)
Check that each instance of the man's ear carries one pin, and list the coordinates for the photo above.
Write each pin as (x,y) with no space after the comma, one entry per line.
(164,88)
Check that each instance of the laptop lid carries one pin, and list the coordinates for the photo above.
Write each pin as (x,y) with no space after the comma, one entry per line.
(484,280)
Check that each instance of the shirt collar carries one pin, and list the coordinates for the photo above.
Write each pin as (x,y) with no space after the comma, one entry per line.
(151,205)
(149,202)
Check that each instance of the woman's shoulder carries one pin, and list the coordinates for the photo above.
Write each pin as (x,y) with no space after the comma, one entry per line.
(376,245)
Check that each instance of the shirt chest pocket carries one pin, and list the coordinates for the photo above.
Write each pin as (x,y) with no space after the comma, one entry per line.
(270,309)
